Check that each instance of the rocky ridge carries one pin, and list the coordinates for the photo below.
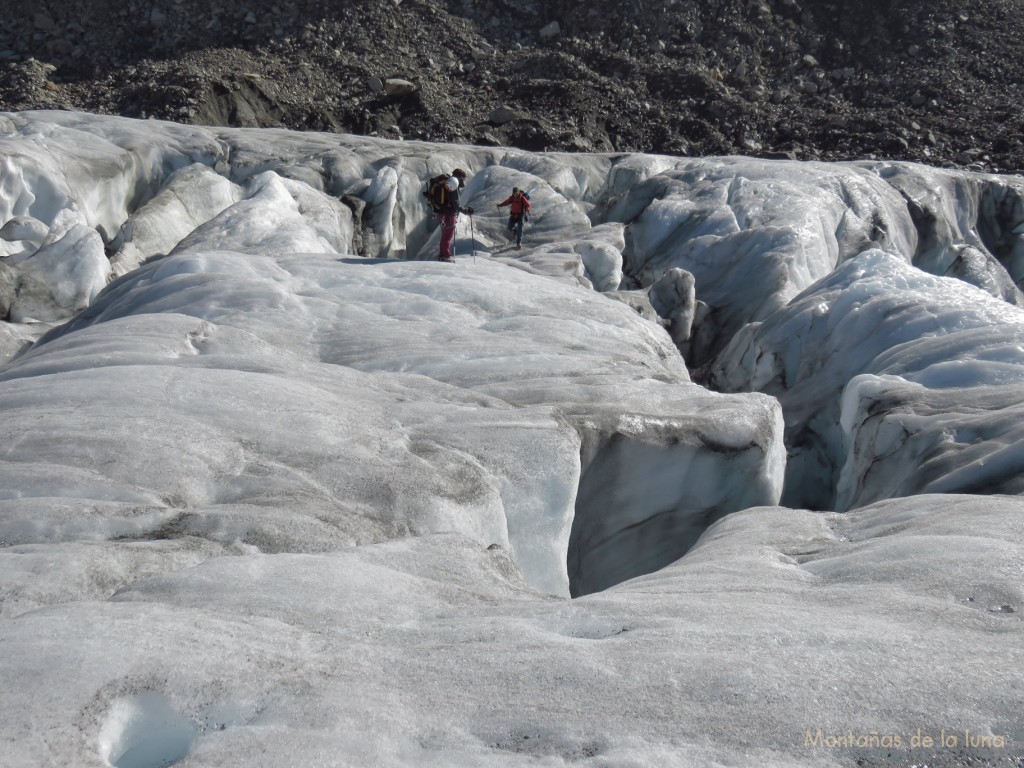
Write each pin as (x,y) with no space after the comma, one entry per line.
(934,82)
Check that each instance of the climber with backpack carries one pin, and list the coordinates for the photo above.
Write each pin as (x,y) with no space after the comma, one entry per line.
(519,213)
(443,194)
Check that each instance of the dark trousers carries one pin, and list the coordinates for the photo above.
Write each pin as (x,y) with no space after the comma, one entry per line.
(515,225)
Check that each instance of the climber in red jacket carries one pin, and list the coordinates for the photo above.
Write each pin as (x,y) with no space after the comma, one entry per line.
(519,212)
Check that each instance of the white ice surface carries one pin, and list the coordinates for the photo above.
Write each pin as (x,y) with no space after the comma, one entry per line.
(876,316)
(430,651)
(267,501)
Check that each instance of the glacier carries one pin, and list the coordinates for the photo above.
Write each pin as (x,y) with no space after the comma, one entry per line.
(722,469)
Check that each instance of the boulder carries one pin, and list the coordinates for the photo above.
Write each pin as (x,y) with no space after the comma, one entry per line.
(550,31)
(502,115)
(396,86)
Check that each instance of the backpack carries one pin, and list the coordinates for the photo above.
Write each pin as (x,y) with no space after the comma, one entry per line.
(526,196)
(436,192)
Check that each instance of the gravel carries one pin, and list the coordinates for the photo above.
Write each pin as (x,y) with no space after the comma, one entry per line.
(925,80)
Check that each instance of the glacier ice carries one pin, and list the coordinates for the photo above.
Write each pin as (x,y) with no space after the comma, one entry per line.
(275,488)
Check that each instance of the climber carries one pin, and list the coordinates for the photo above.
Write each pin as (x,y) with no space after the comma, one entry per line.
(519,213)
(443,193)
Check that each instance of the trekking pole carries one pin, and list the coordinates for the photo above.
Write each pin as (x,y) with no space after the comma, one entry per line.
(472,238)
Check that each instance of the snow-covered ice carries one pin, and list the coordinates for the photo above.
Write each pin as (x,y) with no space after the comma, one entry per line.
(278,489)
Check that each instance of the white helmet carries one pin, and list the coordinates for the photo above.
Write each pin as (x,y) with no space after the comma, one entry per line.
(452,183)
